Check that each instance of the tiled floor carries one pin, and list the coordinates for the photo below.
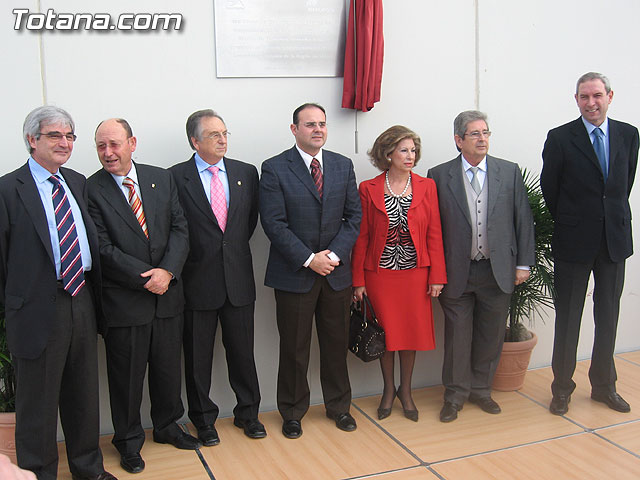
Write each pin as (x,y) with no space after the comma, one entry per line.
(524,442)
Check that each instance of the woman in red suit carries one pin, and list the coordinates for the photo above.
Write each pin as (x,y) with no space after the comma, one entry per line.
(398,259)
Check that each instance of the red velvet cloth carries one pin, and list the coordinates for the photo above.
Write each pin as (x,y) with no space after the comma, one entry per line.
(364,55)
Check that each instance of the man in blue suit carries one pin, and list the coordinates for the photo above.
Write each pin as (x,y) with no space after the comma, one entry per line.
(310,210)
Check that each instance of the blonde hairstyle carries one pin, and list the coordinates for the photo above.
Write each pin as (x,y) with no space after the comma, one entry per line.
(387,142)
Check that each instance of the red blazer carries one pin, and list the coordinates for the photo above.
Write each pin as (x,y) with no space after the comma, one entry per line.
(424,226)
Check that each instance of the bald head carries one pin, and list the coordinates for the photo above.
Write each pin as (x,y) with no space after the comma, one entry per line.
(115,143)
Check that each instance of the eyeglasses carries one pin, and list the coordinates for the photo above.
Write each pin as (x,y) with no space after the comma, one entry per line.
(57,136)
(218,135)
(476,134)
(315,124)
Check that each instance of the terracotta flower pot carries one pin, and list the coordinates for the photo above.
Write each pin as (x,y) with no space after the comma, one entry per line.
(8,435)
(513,365)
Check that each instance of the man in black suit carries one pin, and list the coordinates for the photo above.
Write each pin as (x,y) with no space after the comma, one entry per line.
(589,168)
(143,245)
(310,210)
(218,274)
(49,285)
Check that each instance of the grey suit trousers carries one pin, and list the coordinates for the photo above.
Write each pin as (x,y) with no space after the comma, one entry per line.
(474,333)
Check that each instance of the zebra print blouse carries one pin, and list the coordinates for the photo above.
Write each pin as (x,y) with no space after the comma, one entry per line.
(399,252)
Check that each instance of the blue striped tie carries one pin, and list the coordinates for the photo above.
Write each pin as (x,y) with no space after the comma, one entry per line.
(71,269)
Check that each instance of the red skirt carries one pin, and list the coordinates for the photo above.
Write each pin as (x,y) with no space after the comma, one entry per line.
(403,307)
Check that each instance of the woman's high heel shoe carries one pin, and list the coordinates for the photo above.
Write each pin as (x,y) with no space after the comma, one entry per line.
(385,412)
(410,414)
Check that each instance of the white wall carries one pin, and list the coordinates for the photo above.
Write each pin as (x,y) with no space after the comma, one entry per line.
(528,57)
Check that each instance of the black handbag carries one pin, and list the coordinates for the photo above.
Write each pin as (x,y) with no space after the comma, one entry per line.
(366,336)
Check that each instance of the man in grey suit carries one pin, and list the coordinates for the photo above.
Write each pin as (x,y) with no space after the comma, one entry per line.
(218,274)
(143,246)
(310,210)
(488,236)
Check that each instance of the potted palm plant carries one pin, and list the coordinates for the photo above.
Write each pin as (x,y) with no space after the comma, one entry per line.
(529,299)
(7,395)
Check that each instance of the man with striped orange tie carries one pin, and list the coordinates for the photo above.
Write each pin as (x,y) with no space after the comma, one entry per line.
(143,246)
(49,280)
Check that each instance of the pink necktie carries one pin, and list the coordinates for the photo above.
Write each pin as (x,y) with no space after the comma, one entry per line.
(218,199)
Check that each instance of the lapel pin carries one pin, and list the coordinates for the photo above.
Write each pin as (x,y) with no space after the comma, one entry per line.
(153,185)
(239,182)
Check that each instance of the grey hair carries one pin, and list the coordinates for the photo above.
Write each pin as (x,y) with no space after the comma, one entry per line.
(194,126)
(463,120)
(594,76)
(41,116)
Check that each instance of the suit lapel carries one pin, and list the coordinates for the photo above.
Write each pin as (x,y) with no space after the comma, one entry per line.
(76,191)
(377,193)
(236,189)
(582,141)
(494,183)
(615,142)
(193,186)
(457,187)
(114,197)
(30,196)
(418,188)
(149,194)
(300,170)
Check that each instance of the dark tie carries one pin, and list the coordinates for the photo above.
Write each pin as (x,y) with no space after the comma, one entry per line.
(598,146)
(317,175)
(71,269)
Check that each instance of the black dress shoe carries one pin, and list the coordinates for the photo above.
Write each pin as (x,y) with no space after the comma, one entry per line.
(102,476)
(252,428)
(208,435)
(560,404)
(292,428)
(344,421)
(487,404)
(182,441)
(613,401)
(449,412)
(132,462)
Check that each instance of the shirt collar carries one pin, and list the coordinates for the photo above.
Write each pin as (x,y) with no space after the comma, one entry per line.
(201,165)
(481,166)
(133,175)
(591,127)
(308,158)
(41,174)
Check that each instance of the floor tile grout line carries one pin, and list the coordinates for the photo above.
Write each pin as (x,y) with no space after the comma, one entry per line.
(387,472)
(386,432)
(503,449)
(628,361)
(615,444)
(586,429)
(205,464)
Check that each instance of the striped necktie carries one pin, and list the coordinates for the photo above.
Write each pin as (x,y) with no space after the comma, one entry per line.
(136,205)
(71,269)
(316,173)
